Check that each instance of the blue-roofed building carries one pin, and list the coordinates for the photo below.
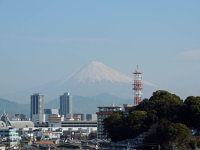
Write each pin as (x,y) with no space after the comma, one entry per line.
(30,147)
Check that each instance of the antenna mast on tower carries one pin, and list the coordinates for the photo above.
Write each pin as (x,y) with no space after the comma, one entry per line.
(137,86)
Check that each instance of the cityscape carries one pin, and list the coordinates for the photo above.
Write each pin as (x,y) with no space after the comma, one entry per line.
(61,128)
(109,128)
(107,75)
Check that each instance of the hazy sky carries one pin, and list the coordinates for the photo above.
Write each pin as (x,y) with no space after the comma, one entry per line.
(44,40)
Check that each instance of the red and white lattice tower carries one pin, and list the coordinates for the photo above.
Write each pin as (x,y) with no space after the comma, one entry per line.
(137,86)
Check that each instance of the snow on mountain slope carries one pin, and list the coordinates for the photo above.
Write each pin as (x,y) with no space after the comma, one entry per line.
(98,72)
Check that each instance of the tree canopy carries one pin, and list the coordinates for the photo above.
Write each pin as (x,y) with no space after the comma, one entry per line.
(169,133)
(162,103)
(190,112)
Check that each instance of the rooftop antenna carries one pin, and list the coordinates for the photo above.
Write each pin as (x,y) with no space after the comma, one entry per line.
(113,105)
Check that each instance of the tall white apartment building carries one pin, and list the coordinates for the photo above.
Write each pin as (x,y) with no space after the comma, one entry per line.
(103,113)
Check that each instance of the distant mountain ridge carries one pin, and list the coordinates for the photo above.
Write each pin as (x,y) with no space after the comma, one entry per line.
(80,104)
(89,104)
(13,108)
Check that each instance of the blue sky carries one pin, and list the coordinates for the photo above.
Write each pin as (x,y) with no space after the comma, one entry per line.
(41,41)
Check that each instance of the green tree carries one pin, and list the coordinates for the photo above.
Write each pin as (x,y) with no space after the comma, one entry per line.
(190,112)
(137,122)
(116,127)
(119,127)
(179,134)
(169,133)
(164,104)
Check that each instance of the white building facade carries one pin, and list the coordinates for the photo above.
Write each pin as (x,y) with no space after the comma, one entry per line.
(9,136)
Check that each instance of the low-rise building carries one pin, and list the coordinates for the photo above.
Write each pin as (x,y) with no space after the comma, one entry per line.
(128,107)
(77,117)
(79,124)
(86,117)
(6,123)
(2,147)
(9,137)
(54,118)
(48,112)
(22,124)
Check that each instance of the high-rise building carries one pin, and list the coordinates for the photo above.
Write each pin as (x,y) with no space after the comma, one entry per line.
(66,105)
(37,108)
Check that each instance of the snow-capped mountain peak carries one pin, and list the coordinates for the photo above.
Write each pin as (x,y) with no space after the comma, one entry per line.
(97,72)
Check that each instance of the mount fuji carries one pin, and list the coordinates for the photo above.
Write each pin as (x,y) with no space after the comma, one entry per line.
(90,80)
(98,72)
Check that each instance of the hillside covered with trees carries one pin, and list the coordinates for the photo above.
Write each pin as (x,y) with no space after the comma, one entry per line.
(170,120)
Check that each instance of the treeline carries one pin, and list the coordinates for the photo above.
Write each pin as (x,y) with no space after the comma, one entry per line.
(171,121)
